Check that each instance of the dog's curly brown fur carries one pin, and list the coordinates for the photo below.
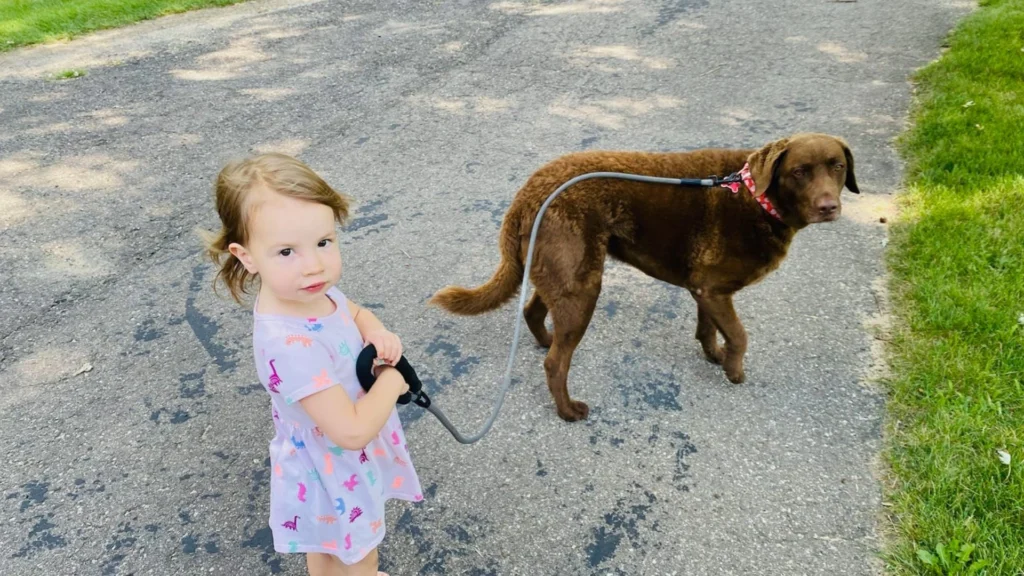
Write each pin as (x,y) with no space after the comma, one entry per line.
(710,241)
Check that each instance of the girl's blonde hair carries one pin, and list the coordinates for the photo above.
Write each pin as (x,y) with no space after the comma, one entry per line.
(234,189)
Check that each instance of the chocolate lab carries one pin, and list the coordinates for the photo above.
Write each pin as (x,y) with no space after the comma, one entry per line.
(711,241)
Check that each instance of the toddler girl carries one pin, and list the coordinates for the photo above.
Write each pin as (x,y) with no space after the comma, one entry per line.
(338,453)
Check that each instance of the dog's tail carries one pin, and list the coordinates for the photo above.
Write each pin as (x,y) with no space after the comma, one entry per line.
(502,286)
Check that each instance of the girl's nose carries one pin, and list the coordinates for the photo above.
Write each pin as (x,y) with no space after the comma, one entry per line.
(312,266)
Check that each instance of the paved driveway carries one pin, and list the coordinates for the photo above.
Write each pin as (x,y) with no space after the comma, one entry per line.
(153,459)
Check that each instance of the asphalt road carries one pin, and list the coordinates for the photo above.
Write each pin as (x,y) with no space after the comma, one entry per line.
(135,433)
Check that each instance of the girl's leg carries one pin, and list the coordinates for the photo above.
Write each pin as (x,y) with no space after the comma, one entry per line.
(323,565)
(328,565)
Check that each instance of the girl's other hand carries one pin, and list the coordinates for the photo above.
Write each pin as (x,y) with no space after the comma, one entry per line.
(389,347)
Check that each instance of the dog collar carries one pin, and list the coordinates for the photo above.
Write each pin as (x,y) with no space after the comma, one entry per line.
(748,181)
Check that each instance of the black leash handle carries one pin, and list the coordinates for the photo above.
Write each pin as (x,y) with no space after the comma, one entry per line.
(364,372)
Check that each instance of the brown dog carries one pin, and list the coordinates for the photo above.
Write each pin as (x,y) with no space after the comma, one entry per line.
(711,241)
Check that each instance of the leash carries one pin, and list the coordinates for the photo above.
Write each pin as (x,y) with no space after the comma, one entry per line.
(416,394)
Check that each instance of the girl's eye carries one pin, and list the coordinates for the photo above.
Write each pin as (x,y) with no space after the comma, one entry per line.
(286,252)
(323,242)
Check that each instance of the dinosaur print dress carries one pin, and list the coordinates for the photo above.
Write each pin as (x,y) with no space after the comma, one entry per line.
(323,498)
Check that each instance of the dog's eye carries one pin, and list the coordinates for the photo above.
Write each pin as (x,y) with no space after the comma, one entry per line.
(839,167)
(798,173)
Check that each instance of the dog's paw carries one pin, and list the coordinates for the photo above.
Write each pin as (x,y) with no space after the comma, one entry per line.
(576,411)
(735,376)
(715,356)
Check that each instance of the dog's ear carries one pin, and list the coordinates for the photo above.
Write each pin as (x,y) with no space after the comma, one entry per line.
(851,180)
(764,161)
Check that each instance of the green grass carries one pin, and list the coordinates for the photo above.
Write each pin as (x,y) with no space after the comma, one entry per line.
(24,22)
(957,258)
(69,74)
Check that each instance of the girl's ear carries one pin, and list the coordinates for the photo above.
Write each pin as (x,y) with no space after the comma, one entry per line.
(239,251)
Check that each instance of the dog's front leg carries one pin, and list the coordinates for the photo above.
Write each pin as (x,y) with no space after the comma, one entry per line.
(719,309)
(707,334)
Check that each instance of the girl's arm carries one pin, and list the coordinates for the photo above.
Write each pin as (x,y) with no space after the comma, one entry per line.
(352,425)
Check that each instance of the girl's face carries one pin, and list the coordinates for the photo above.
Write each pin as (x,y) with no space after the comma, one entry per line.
(293,248)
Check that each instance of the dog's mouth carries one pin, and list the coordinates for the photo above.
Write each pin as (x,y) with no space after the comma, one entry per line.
(817,218)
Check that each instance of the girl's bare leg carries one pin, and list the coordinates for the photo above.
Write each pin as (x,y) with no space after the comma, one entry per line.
(328,565)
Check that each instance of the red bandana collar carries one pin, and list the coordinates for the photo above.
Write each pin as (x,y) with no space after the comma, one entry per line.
(748,181)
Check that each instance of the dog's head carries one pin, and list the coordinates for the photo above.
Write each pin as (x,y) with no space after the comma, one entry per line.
(805,173)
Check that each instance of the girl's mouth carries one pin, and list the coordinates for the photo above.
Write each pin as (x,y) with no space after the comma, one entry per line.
(314,288)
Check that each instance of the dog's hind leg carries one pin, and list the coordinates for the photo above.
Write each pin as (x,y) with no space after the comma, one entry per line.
(535,312)
(566,275)
(571,312)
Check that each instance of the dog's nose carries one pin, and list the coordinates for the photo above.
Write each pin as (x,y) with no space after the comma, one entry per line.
(828,207)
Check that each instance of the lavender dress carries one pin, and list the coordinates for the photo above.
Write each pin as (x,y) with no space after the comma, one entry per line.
(323,498)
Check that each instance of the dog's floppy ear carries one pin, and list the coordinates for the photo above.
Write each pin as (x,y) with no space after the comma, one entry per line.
(764,161)
(851,180)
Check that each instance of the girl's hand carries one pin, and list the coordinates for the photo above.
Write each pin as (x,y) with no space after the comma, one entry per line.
(389,347)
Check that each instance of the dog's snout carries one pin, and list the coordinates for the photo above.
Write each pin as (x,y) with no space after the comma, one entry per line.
(828,207)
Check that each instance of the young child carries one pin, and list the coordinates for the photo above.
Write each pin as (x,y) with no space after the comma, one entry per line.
(338,453)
